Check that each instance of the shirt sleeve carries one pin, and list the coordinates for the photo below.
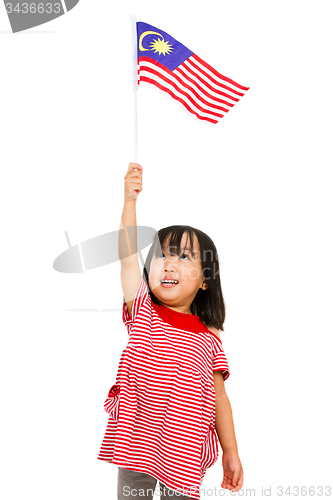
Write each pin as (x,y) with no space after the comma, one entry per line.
(141,306)
(220,361)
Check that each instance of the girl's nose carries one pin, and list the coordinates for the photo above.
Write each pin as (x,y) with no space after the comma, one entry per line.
(169,266)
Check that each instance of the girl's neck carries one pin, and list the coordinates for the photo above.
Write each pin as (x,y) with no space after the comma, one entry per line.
(176,309)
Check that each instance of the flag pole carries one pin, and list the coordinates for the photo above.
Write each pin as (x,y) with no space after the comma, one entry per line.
(135,84)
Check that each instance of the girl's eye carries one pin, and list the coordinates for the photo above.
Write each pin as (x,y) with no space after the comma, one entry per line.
(159,256)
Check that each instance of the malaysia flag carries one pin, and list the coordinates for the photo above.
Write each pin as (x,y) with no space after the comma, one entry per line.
(173,68)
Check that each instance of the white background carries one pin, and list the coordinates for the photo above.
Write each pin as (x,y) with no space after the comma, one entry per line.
(259,183)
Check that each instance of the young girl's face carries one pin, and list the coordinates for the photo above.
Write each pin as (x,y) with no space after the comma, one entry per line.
(185,268)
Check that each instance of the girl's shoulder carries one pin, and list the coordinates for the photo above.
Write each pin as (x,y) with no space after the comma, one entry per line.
(214,330)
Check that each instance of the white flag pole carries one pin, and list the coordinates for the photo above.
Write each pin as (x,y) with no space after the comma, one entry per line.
(135,84)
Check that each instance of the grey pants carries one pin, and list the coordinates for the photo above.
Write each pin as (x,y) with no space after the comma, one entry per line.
(130,482)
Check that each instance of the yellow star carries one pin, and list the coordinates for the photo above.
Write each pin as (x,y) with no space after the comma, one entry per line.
(161,46)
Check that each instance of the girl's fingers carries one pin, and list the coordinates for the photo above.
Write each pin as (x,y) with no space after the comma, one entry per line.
(235,477)
(134,174)
(137,179)
(134,167)
(237,481)
(133,181)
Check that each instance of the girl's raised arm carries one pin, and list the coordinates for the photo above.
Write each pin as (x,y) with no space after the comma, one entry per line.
(127,242)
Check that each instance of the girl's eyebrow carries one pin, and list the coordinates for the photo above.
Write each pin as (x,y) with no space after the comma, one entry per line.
(181,248)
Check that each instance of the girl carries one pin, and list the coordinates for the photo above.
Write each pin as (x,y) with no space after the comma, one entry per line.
(168,407)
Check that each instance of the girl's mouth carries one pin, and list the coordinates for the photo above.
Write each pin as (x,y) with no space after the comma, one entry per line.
(168,283)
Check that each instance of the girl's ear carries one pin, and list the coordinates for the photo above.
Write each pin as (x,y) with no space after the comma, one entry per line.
(204,285)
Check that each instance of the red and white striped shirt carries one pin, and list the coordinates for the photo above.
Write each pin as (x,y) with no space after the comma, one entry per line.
(162,405)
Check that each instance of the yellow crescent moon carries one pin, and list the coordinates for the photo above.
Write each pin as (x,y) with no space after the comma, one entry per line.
(143,35)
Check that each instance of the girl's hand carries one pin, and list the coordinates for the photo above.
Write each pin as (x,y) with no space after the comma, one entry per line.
(133,182)
(232,472)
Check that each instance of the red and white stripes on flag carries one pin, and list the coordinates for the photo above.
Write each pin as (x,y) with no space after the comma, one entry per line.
(199,87)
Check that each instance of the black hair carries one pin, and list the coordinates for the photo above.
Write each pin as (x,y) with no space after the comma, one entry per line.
(207,304)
